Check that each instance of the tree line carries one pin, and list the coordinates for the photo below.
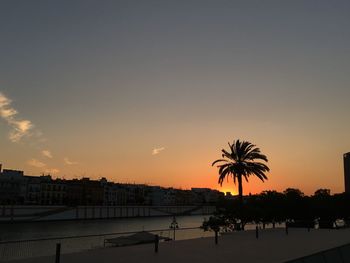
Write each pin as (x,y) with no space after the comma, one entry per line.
(291,205)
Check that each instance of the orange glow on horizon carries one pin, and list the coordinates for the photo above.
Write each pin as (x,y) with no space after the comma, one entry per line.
(226,189)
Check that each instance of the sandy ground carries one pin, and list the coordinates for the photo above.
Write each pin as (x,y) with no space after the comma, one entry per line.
(273,245)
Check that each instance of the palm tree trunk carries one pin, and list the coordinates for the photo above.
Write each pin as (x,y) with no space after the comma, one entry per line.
(240,196)
(240,189)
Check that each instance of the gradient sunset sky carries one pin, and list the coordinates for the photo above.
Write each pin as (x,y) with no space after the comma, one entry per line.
(151,91)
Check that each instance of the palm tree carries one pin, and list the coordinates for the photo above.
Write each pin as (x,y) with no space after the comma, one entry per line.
(240,162)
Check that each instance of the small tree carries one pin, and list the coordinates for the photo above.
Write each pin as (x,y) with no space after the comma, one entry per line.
(218,223)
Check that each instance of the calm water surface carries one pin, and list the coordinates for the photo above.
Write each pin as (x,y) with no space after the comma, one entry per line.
(20,231)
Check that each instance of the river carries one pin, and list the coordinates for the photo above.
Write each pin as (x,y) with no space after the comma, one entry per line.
(37,230)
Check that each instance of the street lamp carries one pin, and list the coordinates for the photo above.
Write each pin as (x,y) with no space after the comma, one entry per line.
(174,225)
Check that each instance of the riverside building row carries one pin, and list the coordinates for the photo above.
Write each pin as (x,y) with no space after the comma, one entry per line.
(16,188)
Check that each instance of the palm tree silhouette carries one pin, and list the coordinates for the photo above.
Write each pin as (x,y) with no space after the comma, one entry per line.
(240,162)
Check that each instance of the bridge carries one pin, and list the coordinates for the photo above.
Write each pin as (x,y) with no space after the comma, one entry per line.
(57,213)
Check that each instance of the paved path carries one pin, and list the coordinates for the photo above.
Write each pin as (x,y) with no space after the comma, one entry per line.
(272,246)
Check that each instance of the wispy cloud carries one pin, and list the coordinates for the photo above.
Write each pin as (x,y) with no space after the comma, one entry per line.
(156,151)
(39,164)
(7,113)
(69,162)
(4,101)
(47,153)
(19,127)
(52,171)
(36,163)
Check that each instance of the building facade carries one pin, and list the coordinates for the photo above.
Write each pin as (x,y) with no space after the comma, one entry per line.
(16,188)
(12,187)
(347,172)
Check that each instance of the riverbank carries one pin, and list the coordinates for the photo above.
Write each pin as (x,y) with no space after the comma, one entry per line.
(273,245)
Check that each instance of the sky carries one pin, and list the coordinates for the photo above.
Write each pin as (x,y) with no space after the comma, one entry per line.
(151,91)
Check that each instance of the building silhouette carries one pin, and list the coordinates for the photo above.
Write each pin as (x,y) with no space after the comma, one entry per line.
(16,188)
(347,172)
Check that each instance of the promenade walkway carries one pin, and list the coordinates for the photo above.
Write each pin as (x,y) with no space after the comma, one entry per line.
(272,246)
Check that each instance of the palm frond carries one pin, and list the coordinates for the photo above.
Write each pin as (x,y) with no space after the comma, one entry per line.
(226,154)
(217,161)
(223,175)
